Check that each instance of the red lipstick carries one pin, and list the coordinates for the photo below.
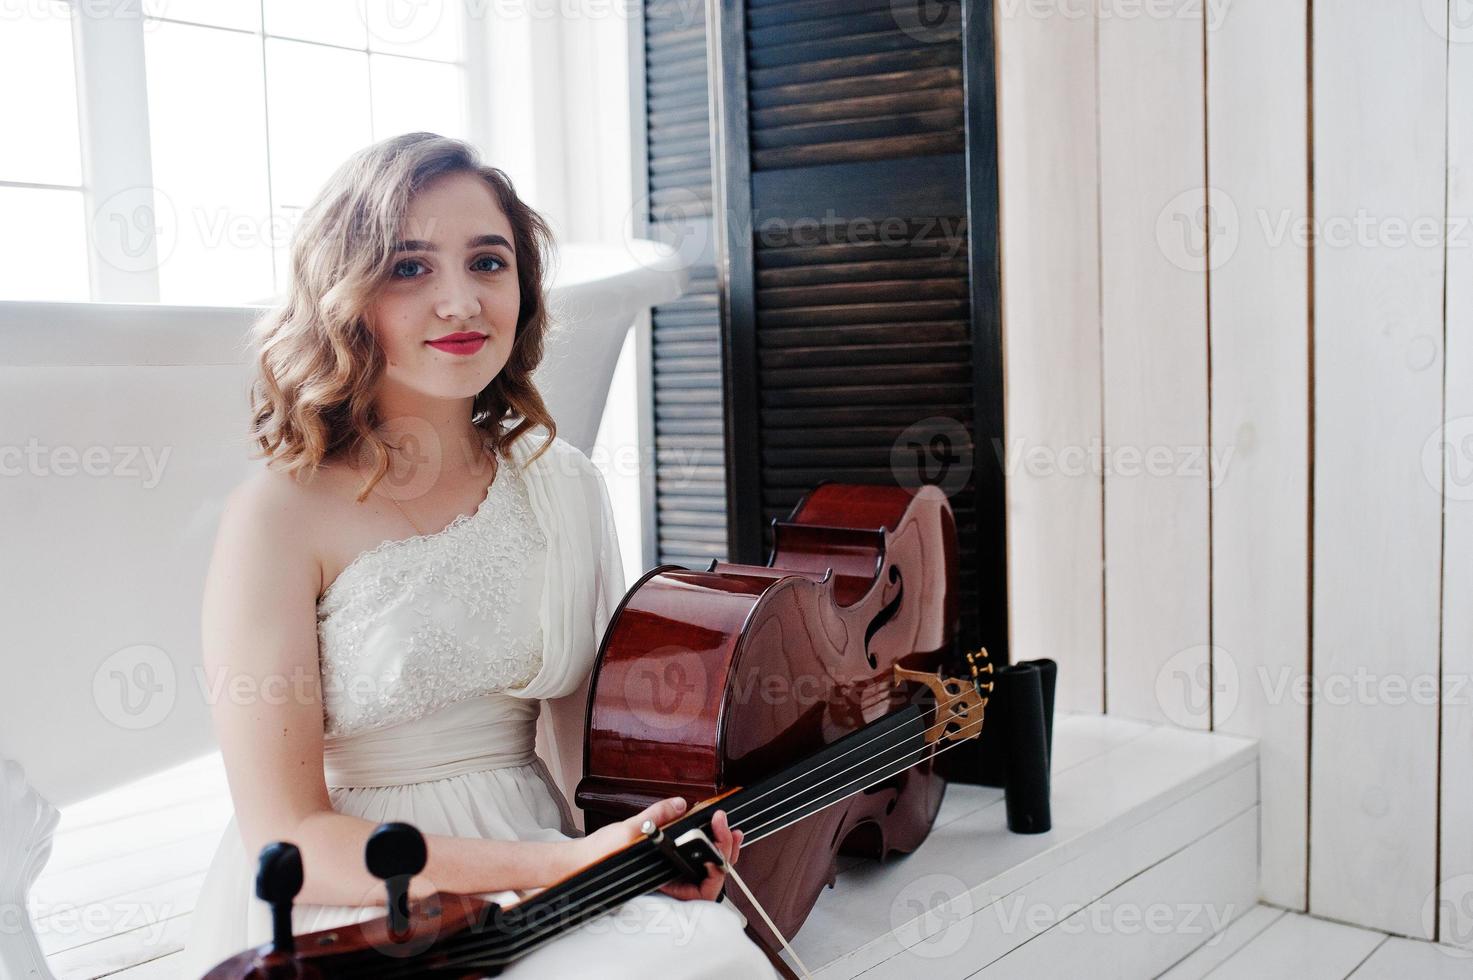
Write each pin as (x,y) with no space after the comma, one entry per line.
(459,343)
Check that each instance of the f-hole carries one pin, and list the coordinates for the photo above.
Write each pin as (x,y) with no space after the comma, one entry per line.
(887,612)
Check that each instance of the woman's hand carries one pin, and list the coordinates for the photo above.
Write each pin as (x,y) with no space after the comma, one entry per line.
(729,843)
(608,839)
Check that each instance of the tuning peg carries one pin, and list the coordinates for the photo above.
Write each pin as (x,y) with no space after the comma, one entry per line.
(278,880)
(396,852)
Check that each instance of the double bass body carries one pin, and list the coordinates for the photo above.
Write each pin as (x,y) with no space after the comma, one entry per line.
(709,680)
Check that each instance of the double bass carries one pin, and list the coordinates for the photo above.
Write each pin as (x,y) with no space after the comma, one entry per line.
(708,680)
(805,697)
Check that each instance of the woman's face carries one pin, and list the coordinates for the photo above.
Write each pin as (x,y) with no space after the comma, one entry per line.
(454,272)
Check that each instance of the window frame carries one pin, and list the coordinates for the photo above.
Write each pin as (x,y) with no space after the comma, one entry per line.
(116,139)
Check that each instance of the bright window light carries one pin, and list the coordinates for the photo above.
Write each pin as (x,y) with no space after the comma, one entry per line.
(38,115)
(428,29)
(250,105)
(411,95)
(43,253)
(208,146)
(318,109)
(242,15)
(325,21)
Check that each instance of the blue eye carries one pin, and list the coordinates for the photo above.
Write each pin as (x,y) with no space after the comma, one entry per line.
(401,268)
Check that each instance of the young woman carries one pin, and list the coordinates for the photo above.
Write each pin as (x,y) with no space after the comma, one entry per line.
(404,605)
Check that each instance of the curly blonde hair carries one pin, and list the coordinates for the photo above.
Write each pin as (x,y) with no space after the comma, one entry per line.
(317,363)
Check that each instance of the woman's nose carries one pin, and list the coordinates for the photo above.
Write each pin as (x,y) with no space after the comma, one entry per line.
(458,301)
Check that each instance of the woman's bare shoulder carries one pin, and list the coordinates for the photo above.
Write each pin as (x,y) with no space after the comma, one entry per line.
(293,497)
(290,509)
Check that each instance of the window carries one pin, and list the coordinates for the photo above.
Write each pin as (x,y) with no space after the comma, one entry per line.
(43,251)
(205,128)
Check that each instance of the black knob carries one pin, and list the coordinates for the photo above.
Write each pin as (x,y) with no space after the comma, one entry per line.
(278,880)
(396,852)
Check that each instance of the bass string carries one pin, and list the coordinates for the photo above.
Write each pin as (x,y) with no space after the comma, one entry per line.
(639,851)
(655,869)
(938,708)
(522,945)
(758,832)
(747,803)
(647,869)
(656,872)
(738,814)
(899,734)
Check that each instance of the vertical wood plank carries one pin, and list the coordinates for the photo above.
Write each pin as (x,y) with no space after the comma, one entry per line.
(1379,142)
(1257,95)
(1050,264)
(1454,450)
(1154,324)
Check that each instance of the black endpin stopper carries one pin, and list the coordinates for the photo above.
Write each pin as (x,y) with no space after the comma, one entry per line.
(1048,679)
(1019,695)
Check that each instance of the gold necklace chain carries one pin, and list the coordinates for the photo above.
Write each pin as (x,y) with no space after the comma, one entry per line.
(407,517)
(395,501)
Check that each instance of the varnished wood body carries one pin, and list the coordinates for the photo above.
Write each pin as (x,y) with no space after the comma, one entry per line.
(710,680)
(359,949)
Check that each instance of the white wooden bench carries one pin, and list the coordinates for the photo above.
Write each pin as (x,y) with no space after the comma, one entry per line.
(128,426)
(1154,847)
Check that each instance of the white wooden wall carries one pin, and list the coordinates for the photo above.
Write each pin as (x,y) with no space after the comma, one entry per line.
(1380,150)
(1163,165)
(1259,300)
(1153,322)
(1048,160)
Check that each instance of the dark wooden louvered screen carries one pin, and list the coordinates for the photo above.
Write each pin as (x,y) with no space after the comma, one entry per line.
(680,356)
(857,203)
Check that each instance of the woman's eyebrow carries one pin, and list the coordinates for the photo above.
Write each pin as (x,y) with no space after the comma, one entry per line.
(417,245)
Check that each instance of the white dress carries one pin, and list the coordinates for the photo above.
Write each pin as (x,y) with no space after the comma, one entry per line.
(436,652)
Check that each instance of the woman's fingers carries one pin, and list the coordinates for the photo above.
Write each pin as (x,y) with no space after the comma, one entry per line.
(666,810)
(727,841)
(721,834)
(660,813)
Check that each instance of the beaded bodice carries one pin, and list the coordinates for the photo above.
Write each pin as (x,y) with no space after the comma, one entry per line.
(419,623)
